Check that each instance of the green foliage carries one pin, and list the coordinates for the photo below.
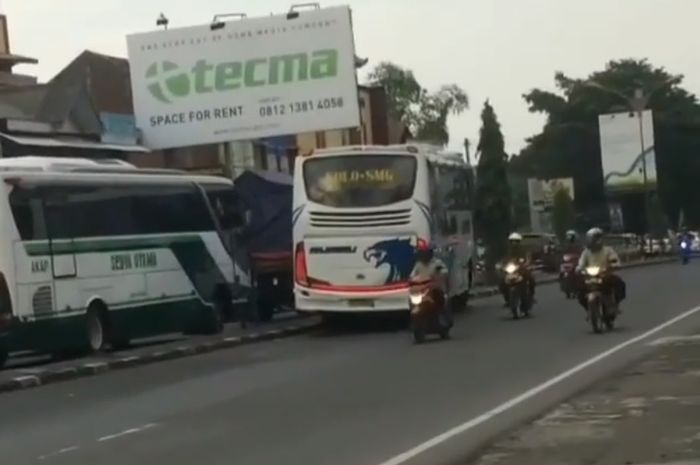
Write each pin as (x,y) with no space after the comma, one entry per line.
(493,196)
(520,217)
(423,112)
(569,144)
(563,213)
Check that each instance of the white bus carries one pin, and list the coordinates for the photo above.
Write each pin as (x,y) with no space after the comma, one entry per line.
(359,213)
(96,253)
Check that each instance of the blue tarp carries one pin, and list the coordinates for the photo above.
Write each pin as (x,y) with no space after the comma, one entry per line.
(268,197)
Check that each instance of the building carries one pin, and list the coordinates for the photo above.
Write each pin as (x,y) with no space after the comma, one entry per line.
(61,117)
(106,80)
(87,110)
(8,61)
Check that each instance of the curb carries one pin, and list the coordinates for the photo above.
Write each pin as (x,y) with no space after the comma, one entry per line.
(92,368)
(300,326)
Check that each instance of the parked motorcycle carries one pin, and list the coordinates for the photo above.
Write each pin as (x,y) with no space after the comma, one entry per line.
(519,295)
(600,305)
(567,275)
(427,315)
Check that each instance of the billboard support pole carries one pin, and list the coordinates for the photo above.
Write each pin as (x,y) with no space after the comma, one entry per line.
(645,184)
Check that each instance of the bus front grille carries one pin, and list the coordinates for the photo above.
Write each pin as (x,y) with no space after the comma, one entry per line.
(378,219)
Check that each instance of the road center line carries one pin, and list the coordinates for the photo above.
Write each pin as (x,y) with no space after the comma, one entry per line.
(126,432)
(58,452)
(486,416)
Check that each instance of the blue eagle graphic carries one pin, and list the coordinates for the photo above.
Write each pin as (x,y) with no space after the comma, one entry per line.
(399,254)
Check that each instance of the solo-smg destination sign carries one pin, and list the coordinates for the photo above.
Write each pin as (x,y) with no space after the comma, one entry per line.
(253,78)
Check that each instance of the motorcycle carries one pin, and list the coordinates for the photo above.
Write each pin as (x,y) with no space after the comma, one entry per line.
(567,275)
(599,304)
(519,296)
(685,252)
(427,317)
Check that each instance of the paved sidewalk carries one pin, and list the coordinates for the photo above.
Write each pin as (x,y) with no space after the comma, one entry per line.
(29,371)
(649,414)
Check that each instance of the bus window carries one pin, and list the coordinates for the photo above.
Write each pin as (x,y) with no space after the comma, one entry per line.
(27,210)
(359,181)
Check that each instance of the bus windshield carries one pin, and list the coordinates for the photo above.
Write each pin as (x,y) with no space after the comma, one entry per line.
(353,181)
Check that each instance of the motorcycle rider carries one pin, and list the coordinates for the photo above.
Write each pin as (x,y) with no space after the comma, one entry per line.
(517,254)
(430,268)
(572,245)
(605,257)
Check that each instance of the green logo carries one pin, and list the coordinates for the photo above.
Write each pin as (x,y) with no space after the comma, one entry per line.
(167,81)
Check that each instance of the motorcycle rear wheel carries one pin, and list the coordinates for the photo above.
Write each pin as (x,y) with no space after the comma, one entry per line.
(514,304)
(594,313)
(418,336)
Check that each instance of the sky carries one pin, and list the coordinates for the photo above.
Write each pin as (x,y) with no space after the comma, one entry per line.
(493,49)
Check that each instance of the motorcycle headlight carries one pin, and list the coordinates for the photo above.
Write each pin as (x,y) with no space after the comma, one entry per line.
(684,245)
(593,270)
(416,299)
(511,268)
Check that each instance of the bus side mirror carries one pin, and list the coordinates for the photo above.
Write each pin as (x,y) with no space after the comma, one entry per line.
(235,220)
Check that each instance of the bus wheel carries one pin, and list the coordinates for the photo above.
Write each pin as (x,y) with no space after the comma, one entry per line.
(4,353)
(96,329)
(213,317)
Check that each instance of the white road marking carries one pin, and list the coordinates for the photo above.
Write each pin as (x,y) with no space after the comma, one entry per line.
(58,452)
(126,432)
(486,416)
(675,340)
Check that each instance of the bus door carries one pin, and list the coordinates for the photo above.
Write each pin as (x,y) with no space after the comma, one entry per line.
(59,219)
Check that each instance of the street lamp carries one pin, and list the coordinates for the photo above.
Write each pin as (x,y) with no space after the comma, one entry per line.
(217,23)
(637,104)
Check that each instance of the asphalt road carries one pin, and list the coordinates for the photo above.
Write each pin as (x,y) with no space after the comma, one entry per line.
(359,397)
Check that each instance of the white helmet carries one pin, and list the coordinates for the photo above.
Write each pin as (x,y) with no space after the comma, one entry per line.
(593,232)
(515,237)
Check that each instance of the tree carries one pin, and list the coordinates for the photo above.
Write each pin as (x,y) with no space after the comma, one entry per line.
(563,213)
(424,113)
(492,189)
(569,146)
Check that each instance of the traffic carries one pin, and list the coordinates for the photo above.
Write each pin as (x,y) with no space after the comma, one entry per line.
(374,230)
(349,234)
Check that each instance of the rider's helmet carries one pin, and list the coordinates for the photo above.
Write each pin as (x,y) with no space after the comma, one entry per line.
(571,236)
(515,240)
(424,252)
(594,238)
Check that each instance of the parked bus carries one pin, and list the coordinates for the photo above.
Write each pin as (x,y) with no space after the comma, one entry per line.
(96,253)
(359,213)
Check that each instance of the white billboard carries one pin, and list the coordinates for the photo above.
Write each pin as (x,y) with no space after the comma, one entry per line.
(251,78)
(623,158)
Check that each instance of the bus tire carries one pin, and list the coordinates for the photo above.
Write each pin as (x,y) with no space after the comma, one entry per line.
(213,317)
(4,353)
(96,328)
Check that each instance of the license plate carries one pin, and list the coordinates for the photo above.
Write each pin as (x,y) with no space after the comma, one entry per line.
(361,303)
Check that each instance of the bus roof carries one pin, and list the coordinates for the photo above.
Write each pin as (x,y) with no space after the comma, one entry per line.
(88,170)
(433,153)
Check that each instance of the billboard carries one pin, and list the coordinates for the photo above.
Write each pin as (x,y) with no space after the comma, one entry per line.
(623,158)
(251,78)
(541,198)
